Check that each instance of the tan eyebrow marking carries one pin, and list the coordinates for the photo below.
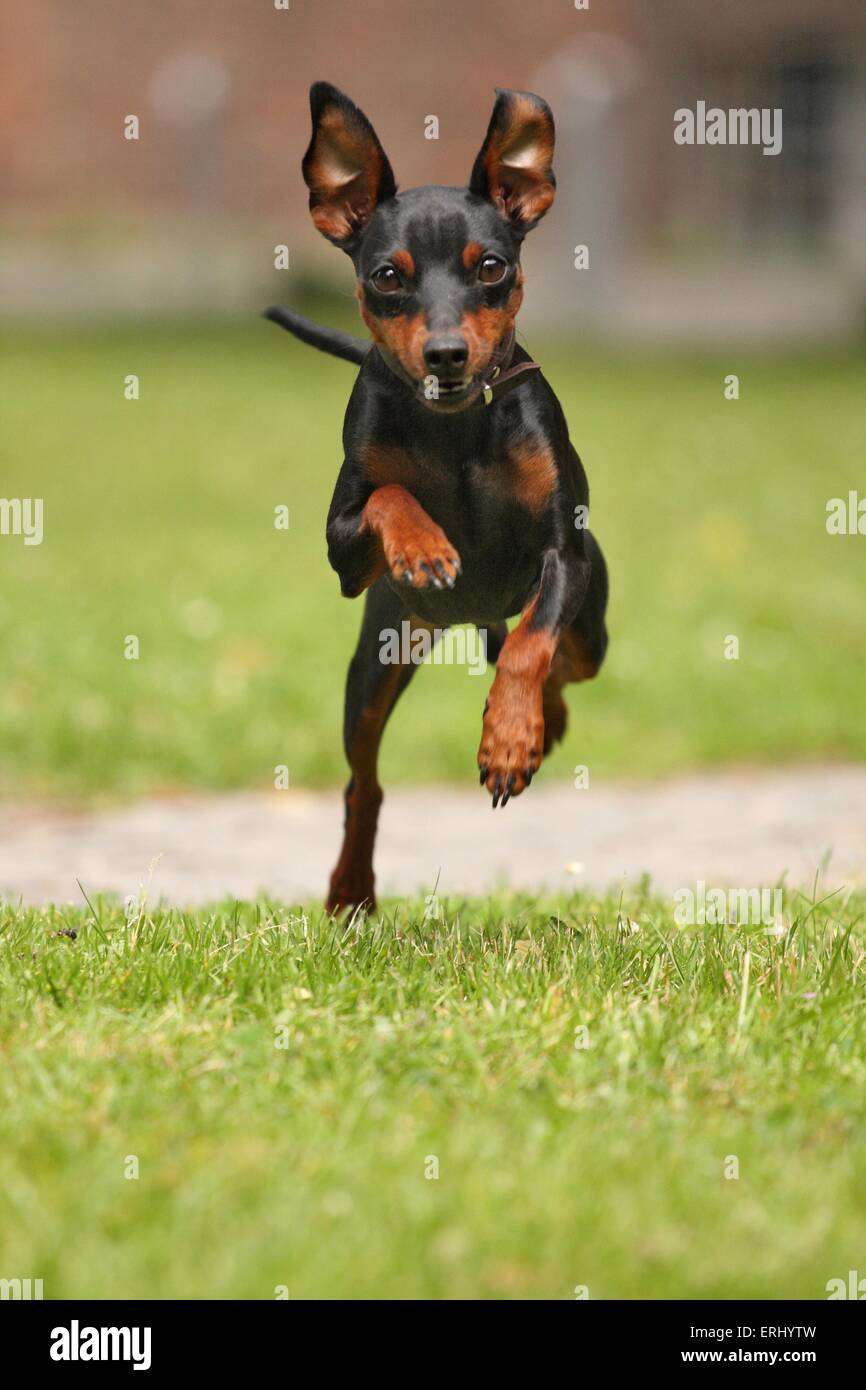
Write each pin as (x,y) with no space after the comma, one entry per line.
(472,254)
(404,262)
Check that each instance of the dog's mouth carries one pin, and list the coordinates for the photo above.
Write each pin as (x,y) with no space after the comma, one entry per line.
(449,396)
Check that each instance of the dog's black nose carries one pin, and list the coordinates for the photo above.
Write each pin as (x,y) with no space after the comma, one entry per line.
(446,356)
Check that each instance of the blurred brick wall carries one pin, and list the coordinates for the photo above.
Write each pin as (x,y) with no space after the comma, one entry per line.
(70,72)
(186,218)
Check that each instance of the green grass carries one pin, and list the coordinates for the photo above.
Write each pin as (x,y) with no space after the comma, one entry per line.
(159,523)
(304,1165)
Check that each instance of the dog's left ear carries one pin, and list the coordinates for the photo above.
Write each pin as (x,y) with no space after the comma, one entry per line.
(514,168)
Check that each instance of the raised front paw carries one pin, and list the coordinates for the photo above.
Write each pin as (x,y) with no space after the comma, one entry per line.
(415,548)
(512,743)
(423,557)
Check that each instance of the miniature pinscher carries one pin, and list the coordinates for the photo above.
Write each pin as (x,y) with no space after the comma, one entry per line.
(460,498)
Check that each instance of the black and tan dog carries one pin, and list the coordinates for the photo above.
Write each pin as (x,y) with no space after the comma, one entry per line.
(460,499)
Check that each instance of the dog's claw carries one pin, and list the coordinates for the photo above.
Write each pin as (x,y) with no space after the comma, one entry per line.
(422,555)
(497,791)
(483,775)
(434,578)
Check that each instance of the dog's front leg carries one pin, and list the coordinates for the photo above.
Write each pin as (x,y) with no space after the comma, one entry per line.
(390,532)
(512,739)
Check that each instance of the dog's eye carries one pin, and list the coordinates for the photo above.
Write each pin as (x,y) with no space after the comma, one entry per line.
(491,270)
(386,280)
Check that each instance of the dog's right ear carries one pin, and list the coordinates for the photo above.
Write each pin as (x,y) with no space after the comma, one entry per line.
(345,167)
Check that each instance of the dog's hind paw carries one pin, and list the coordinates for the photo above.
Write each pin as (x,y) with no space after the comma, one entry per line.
(345,896)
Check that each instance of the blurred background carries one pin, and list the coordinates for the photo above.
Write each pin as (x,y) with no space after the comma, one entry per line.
(154,256)
(684,241)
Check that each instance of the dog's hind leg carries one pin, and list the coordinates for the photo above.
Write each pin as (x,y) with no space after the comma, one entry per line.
(494,640)
(378,674)
(580,650)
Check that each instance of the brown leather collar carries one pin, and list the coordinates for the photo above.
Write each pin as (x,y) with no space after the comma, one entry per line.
(499,378)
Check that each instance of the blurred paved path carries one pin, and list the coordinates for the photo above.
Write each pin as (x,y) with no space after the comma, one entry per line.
(738,829)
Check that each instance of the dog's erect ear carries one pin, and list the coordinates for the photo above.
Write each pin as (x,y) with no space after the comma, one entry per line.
(345,167)
(514,166)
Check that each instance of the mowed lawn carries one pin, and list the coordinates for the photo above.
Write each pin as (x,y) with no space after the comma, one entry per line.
(513,1100)
(159,524)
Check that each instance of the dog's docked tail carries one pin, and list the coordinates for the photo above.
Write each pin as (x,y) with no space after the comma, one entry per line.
(330,340)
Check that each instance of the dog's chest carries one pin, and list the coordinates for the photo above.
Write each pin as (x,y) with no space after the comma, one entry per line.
(481,504)
(484,497)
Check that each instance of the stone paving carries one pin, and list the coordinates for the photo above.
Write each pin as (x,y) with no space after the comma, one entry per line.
(731,829)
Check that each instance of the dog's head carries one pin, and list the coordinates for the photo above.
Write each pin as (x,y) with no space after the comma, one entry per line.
(439,278)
